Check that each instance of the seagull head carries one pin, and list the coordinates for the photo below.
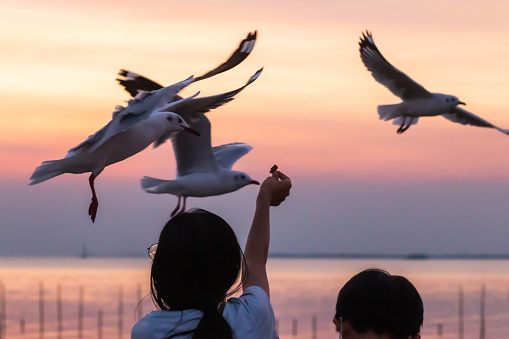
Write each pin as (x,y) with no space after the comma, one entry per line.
(452,100)
(177,124)
(242,179)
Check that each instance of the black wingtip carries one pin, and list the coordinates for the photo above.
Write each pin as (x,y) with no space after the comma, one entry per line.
(123,72)
(367,41)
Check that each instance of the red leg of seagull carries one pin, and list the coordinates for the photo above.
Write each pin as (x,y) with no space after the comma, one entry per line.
(92,209)
(174,212)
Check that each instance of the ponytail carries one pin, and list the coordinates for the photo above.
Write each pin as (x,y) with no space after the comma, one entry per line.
(212,325)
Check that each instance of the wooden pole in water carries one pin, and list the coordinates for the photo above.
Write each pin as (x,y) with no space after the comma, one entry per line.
(3,315)
(22,326)
(100,324)
(440,330)
(41,310)
(60,326)
(276,325)
(120,312)
(80,313)
(482,334)
(294,328)
(314,327)
(461,324)
(139,308)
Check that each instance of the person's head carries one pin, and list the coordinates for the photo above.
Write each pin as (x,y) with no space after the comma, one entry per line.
(198,260)
(374,304)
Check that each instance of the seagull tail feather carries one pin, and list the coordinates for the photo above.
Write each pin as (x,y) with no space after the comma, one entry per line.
(46,171)
(387,112)
(158,186)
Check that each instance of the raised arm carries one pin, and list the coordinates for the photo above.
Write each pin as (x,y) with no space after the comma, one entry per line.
(273,192)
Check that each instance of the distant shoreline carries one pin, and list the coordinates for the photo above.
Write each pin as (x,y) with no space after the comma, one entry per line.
(413,256)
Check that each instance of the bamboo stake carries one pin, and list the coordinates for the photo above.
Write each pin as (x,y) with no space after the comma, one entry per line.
(60,326)
(22,326)
(294,328)
(80,313)
(440,330)
(41,310)
(461,324)
(100,324)
(314,327)
(120,312)
(482,334)
(3,313)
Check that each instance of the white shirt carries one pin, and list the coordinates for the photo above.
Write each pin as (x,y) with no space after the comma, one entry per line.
(250,317)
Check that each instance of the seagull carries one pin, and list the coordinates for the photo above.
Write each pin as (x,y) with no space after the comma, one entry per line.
(201,170)
(417,101)
(208,172)
(135,83)
(132,129)
(125,135)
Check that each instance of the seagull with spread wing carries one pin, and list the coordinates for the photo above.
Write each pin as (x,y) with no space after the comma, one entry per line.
(417,101)
(202,171)
(207,172)
(133,128)
(130,131)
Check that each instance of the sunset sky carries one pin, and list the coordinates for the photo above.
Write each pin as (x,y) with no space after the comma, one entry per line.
(439,188)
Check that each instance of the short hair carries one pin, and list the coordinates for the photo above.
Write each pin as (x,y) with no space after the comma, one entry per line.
(374,300)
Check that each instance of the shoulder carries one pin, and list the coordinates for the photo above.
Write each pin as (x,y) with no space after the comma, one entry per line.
(251,315)
(159,324)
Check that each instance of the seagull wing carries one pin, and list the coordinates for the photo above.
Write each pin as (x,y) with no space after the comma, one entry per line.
(193,110)
(89,142)
(227,155)
(245,47)
(396,81)
(194,154)
(464,117)
(135,83)
(137,110)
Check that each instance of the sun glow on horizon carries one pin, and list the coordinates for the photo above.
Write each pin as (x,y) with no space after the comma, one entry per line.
(314,106)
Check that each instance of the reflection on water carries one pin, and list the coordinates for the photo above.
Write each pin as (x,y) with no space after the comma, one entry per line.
(300,289)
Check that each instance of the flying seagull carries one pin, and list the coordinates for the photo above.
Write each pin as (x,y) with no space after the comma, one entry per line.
(202,170)
(135,83)
(125,135)
(417,101)
(207,172)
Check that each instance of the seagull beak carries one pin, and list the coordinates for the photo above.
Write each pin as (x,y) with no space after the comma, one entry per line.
(254,182)
(461,103)
(191,130)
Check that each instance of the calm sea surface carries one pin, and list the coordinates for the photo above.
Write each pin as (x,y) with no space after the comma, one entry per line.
(300,290)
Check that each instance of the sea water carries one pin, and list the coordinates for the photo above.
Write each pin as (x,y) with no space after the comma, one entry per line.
(98,297)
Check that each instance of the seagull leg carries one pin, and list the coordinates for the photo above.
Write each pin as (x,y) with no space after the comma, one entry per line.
(92,209)
(183,209)
(174,212)
(407,126)
(400,129)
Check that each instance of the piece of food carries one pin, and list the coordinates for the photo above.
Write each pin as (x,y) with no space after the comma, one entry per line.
(273,169)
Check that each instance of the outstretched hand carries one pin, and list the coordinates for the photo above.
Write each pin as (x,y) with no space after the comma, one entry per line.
(275,189)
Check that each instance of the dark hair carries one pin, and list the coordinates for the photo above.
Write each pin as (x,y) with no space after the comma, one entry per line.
(374,300)
(198,260)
